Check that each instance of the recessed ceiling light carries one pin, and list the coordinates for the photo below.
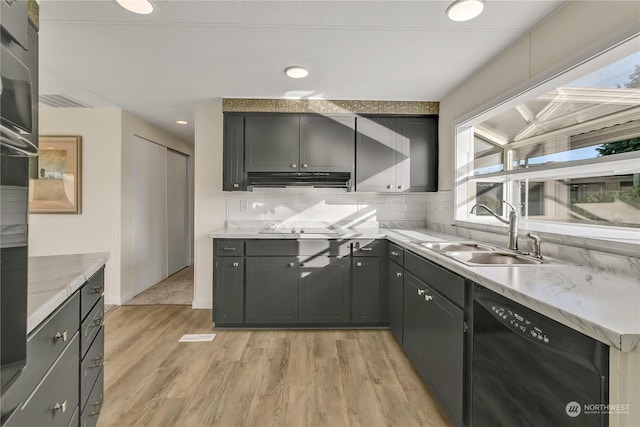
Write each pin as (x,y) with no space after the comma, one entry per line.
(465,10)
(182,122)
(296,72)
(142,7)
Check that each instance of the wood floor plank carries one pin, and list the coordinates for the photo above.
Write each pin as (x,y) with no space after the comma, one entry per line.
(247,378)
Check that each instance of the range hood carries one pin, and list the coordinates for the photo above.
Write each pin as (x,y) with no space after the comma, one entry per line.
(299,179)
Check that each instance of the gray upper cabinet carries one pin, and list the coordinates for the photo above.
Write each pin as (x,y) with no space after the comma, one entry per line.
(327,143)
(396,154)
(234,177)
(271,143)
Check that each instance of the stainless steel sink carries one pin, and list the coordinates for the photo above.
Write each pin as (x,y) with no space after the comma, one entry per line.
(457,247)
(493,258)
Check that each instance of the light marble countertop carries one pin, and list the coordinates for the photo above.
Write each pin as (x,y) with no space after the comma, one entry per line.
(53,279)
(600,304)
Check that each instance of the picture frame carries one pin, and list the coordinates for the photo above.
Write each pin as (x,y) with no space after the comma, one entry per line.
(55,184)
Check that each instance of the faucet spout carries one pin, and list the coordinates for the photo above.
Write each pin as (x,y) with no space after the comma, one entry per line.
(512,222)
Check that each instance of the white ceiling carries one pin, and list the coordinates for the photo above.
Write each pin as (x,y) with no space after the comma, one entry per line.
(160,66)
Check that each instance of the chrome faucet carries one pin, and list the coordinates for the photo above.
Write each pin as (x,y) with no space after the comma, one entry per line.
(512,222)
(536,244)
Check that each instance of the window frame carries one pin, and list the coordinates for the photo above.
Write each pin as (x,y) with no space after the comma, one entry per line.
(617,164)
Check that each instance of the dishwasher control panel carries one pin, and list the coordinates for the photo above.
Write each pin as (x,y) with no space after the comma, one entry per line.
(519,323)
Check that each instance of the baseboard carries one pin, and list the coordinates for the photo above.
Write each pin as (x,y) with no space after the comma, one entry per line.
(201,304)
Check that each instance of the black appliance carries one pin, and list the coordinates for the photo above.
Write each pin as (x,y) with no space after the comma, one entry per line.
(300,179)
(18,142)
(529,370)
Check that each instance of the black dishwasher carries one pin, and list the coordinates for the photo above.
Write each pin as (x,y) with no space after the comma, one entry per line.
(529,370)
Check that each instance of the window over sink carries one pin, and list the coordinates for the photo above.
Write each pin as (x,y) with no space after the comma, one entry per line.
(566,152)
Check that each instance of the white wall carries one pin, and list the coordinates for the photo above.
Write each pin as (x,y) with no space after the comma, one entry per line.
(105,222)
(210,200)
(96,228)
(574,33)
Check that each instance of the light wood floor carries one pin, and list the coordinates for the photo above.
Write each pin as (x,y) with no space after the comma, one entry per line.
(255,378)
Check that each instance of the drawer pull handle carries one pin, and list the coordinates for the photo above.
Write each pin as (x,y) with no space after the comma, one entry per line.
(358,264)
(227,248)
(294,165)
(97,290)
(61,335)
(304,165)
(420,292)
(62,407)
(96,323)
(394,253)
(428,297)
(236,263)
(291,264)
(98,362)
(398,274)
(236,185)
(366,249)
(389,187)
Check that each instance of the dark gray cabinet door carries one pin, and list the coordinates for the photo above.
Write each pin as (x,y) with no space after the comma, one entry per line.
(327,143)
(324,291)
(433,340)
(233,165)
(376,154)
(228,290)
(416,165)
(271,143)
(366,290)
(271,290)
(395,281)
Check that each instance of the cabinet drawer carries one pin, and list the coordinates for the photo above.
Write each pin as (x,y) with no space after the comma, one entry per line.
(91,367)
(91,293)
(272,247)
(443,281)
(91,326)
(43,348)
(91,412)
(367,247)
(53,403)
(229,247)
(396,253)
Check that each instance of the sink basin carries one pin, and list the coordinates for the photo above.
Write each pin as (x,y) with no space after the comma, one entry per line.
(456,247)
(493,258)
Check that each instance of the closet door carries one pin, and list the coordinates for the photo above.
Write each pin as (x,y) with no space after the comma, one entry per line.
(149,220)
(177,212)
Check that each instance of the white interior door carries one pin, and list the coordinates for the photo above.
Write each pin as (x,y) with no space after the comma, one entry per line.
(177,212)
(149,214)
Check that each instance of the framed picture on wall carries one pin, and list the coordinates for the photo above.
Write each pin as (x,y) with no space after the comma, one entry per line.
(56,177)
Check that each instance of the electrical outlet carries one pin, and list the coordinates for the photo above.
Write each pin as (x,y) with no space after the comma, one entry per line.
(244,205)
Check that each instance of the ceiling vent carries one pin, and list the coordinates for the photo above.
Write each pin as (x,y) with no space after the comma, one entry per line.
(61,101)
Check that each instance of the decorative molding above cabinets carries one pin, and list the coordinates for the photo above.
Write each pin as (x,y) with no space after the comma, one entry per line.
(327,106)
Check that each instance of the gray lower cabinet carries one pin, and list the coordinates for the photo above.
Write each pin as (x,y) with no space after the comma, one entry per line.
(65,355)
(228,299)
(324,291)
(433,338)
(271,290)
(366,290)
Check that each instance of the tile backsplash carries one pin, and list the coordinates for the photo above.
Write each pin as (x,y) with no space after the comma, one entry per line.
(332,206)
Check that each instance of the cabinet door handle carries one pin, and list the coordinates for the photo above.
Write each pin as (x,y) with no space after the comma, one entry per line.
(236,263)
(61,335)
(236,185)
(366,249)
(304,165)
(294,165)
(95,412)
(358,264)
(428,297)
(301,264)
(97,290)
(62,407)
(229,248)
(399,187)
(398,274)
(96,323)
(292,264)
(98,362)
(389,187)
(420,292)
(394,253)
